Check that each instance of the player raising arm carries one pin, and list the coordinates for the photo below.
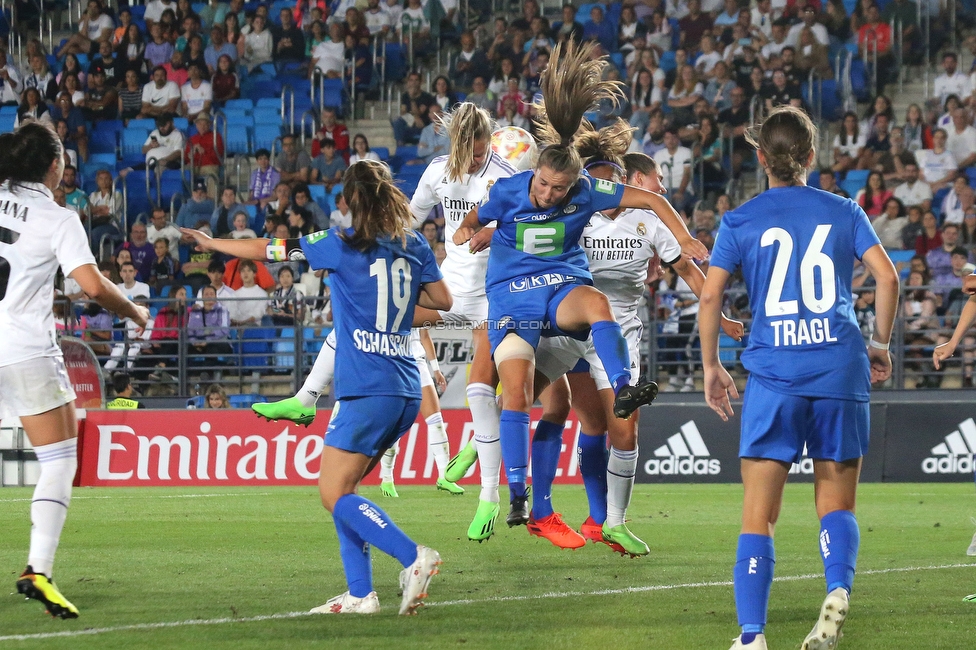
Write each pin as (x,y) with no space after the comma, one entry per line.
(810,375)
(36,237)
(380,271)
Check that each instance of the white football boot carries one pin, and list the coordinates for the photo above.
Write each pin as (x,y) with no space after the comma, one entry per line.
(415,578)
(349,604)
(826,633)
(972,546)
(759,643)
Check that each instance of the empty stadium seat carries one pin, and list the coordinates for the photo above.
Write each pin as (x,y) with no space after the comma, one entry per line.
(255,346)
(131,145)
(142,123)
(265,135)
(170,183)
(103,142)
(245,104)
(267,115)
(284,349)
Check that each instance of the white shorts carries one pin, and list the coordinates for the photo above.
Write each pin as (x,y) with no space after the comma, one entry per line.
(558,355)
(467,311)
(425,377)
(34,386)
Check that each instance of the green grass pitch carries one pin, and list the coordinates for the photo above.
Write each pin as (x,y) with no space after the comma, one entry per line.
(136,557)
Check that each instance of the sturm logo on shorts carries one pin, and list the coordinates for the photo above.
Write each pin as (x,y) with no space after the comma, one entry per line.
(684,454)
(955,455)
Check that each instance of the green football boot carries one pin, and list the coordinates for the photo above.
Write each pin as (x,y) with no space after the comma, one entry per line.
(458,466)
(449,486)
(631,543)
(483,525)
(286,409)
(388,489)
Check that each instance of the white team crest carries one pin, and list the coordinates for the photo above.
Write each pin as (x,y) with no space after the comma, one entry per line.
(641,229)
(570,209)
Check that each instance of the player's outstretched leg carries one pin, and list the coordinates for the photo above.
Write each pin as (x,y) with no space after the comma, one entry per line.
(753,578)
(386,472)
(441,451)
(840,539)
(621,469)
(485,418)
(300,409)
(543,522)
(611,347)
(514,429)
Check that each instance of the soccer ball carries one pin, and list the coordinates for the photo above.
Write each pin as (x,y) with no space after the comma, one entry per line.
(515,145)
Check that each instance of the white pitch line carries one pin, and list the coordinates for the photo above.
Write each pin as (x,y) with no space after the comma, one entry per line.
(497,599)
(163,496)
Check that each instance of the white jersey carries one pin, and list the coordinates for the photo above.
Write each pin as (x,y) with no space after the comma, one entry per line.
(36,236)
(463,272)
(416,347)
(619,250)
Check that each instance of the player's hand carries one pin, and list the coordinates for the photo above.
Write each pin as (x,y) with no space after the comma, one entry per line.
(440,382)
(481,240)
(141,318)
(941,353)
(880,365)
(694,249)
(202,239)
(463,235)
(969,284)
(733,328)
(719,391)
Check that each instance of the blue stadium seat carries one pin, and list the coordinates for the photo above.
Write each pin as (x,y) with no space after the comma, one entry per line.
(264,88)
(284,349)
(252,212)
(318,194)
(851,187)
(813,180)
(138,200)
(382,152)
(245,400)
(170,183)
(255,346)
(7,122)
(858,176)
(138,11)
(197,401)
(181,123)
(143,123)
(406,152)
(83,61)
(971,175)
(236,116)
(245,104)
(238,140)
(265,135)
(103,142)
(264,115)
(396,62)
(114,126)
(668,62)
(131,145)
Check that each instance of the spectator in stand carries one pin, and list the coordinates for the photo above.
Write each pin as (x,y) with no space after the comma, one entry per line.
(645,98)
(597,28)
(71,86)
(848,144)
(434,140)
(413,112)
(961,138)
(730,14)
(905,12)
(293,164)
(684,93)
(161,228)
(659,38)
(874,195)
(718,92)
(317,35)
(912,229)
(631,32)
(734,121)
(105,208)
(74,119)
(242,226)
(164,268)
(215,273)
(131,52)
(264,179)
(809,22)
(287,304)
(480,96)
(195,269)
(163,148)
(109,63)
(812,55)
(892,163)
(874,31)
(41,78)
(101,100)
(164,350)
(468,63)
(938,165)
(204,150)
(918,134)
(155,10)
(158,50)
(429,230)
(196,94)
(329,57)
(218,47)
(356,27)
(709,148)
(377,18)
(222,219)
(967,232)
(444,96)
(930,237)
(330,127)
(341,217)
(176,69)
(877,144)
(777,41)
(251,300)
(225,82)
(208,330)
(499,82)
(361,150)
(694,25)
(958,202)
(514,94)
(674,163)
(75,198)
(288,40)
(939,260)
(707,58)
(215,397)
(951,82)
(280,209)
(828,183)
(568,28)
(653,140)
(891,223)
(130,96)
(303,201)
(94,28)
(300,222)
(257,46)
(197,208)
(327,168)
(510,115)
(782,93)
(159,96)
(130,285)
(33,109)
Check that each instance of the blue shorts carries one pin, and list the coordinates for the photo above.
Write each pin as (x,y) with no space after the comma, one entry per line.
(530,313)
(777,426)
(370,425)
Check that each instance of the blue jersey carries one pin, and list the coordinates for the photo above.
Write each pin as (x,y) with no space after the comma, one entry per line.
(796,247)
(373,298)
(532,242)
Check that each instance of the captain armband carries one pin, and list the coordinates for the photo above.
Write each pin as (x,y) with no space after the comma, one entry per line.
(285,250)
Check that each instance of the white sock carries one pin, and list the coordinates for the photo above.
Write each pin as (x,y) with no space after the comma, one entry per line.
(49,507)
(321,374)
(437,442)
(620,484)
(386,464)
(485,415)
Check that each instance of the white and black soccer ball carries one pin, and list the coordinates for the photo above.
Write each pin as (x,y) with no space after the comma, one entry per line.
(516,145)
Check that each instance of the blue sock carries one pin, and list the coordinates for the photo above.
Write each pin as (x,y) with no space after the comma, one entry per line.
(753,578)
(611,347)
(513,427)
(839,541)
(592,452)
(375,527)
(355,560)
(547,442)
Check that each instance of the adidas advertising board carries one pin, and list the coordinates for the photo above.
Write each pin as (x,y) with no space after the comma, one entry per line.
(934,442)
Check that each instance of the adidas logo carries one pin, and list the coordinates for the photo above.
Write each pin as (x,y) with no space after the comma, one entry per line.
(805,466)
(684,454)
(955,455)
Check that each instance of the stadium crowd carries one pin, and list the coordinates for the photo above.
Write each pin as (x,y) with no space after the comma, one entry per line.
(694,75)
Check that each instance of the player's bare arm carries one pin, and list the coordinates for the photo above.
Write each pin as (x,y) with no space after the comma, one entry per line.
(248,249)
(719,387)
(885,304)
(436,295)
(969,284)
(468,228)
(635,197)
(946,350)
(106,294)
